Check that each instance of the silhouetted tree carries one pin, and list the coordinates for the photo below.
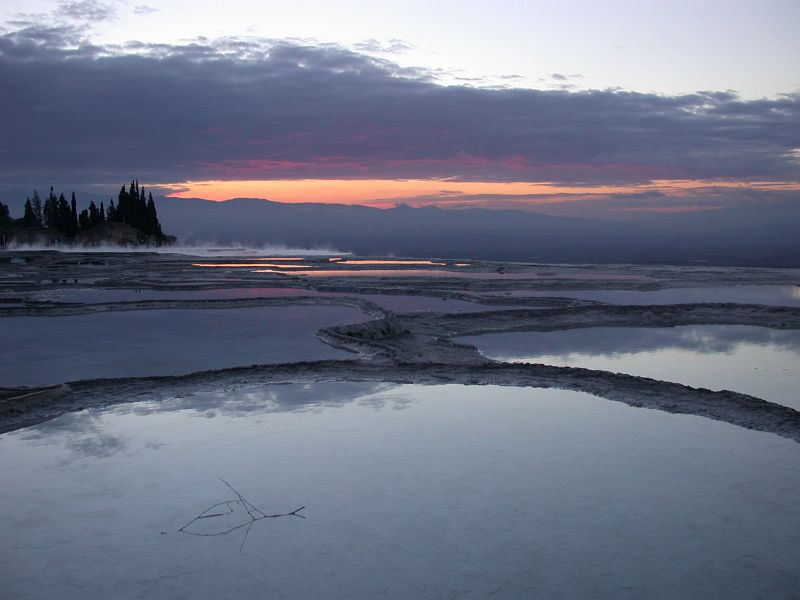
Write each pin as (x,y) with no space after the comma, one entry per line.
(6,223)
(73,216)
(36,205)
(123,212)
(153,226)
(94,214)
(28,216)
(64,214)
(134,207)
(50,211)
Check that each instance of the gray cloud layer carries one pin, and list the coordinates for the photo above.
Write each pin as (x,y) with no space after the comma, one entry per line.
(261,109)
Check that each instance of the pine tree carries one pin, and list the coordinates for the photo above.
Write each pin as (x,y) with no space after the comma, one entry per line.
(83,220)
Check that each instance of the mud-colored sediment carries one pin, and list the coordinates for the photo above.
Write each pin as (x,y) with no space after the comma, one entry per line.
(731,407)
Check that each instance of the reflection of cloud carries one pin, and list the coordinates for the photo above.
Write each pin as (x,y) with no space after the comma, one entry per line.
(81,433)
(271,398)
(97,446)
(616,341)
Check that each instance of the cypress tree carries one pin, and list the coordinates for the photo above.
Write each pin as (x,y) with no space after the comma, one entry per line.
(29,217)
(153,226)
(50,211)
(94,218)
(123,213)
(36,205)
(64,214)
(73,222)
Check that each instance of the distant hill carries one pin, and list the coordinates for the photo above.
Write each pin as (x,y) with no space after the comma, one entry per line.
(746,237)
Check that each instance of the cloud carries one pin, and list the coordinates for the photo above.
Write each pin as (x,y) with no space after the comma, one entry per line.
(238,108)
(393,46)
(144,9)
(86,10)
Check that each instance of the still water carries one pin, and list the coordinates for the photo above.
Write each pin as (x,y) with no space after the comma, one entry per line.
(409,492)
(778,295)
(757,361)
(50,350)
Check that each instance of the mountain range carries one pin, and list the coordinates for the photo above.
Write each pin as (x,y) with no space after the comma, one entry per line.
(741,236)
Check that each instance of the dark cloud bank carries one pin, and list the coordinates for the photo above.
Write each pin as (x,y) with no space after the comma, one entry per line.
(74,113)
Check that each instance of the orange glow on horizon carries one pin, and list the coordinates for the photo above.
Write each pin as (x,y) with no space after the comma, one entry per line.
(386,193)
(281,258)
(247,265)
(391,262)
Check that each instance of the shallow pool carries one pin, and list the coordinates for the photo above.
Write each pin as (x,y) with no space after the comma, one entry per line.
(757,361)
(49,350)
(409,492)
(778,295)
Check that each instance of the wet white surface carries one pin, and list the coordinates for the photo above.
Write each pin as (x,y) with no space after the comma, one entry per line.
(410,492)
(394,302)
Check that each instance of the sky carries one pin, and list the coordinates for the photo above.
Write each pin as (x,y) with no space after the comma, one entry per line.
(597,108)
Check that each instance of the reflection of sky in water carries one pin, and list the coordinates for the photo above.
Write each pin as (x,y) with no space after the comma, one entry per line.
(98,295)
(50,350)
(246,265)
(410,492)
(343,272)
(391,262)
(781,295)
(753,360)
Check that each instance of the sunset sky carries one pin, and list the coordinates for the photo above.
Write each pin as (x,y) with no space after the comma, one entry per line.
(566,107)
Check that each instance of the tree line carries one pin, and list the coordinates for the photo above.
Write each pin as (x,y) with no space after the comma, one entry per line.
(133,208)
